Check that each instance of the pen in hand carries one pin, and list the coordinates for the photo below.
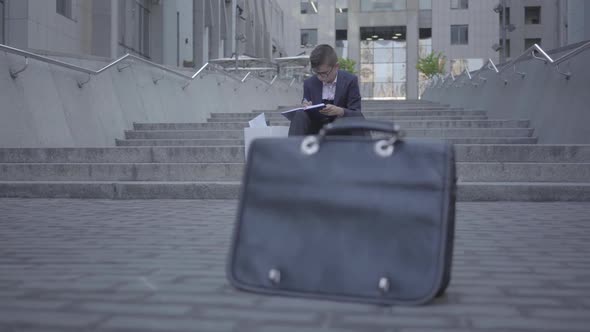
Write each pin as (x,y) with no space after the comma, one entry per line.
(305,103)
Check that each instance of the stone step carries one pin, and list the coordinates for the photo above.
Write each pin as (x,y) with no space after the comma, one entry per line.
(379,118)
(235,154)
(237,134)
(376,109)
(411,124)
(409,107)
(523,191)
(191,126)
(272,115)
(467,172)
(122,172)
(403,124)
(400,102)
(467,191)
(193,154)
(523,153)
(237,142)
(389,103)
(175,142)
(121,189)
(523,172)
(184,134)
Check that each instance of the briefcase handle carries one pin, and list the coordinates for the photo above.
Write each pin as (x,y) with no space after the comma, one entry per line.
(346,125)
(384,147)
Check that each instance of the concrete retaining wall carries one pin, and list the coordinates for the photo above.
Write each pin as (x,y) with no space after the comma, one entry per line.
(559,109)
(44,107)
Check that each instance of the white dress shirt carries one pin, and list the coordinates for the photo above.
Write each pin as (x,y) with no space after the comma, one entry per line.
(329,90)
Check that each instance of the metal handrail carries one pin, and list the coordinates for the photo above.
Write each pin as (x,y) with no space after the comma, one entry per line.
(572,53)
(530,52)
(29,55)
(491,62)
(245,77)
(468,73)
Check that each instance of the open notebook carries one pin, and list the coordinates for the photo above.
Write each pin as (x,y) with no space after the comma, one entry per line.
(313,111)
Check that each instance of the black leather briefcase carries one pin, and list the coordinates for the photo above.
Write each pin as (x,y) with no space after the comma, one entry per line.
(346,218)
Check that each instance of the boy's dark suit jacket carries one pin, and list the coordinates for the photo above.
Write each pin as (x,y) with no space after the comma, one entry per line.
(347,95)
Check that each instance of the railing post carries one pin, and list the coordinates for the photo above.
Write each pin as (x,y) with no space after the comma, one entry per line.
(14,74)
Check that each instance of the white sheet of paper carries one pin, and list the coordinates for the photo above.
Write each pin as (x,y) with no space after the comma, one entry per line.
(251,134)
(258,122)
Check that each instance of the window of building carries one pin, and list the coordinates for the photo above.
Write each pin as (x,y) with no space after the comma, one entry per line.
(144,30)
(341,34)
(382,5)
(309,6)
(459,34)
(342,43)
(2,39)
(383,62)
(425,4)
(64,8)
(309,37)
(134,27)
(507,16)
(528,42)
(459,4)
(532,15)
(507,47)
(424,49)
(425,42)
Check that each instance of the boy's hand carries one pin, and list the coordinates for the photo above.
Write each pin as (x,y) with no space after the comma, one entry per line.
(331,110)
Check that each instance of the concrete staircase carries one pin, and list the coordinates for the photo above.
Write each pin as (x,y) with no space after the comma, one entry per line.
(497,159)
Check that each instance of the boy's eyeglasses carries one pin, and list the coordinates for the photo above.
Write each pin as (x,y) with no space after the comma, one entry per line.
(322,74)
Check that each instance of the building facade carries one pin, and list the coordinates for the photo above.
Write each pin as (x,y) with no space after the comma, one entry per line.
(2,21)
(255,28)
(530,22)
(387,37)
(577,24)
(171,32)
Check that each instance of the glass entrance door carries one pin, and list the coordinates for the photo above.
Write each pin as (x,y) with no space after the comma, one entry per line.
(383,62)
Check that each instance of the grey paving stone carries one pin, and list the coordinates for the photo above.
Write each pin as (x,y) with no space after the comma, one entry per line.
(90,296)
(575,314)
(435,329)
(10,293)
(79,265)
(47,318)
(260,315)
(459,309)
(134,308)
(396,321)
(33,304)
(206,299)
(294,304)
(165,324)
(530,324)
(283,328)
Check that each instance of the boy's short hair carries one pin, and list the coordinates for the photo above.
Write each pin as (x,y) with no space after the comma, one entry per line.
(323,54)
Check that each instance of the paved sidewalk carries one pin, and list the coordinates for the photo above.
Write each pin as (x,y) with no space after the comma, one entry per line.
(94,265)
